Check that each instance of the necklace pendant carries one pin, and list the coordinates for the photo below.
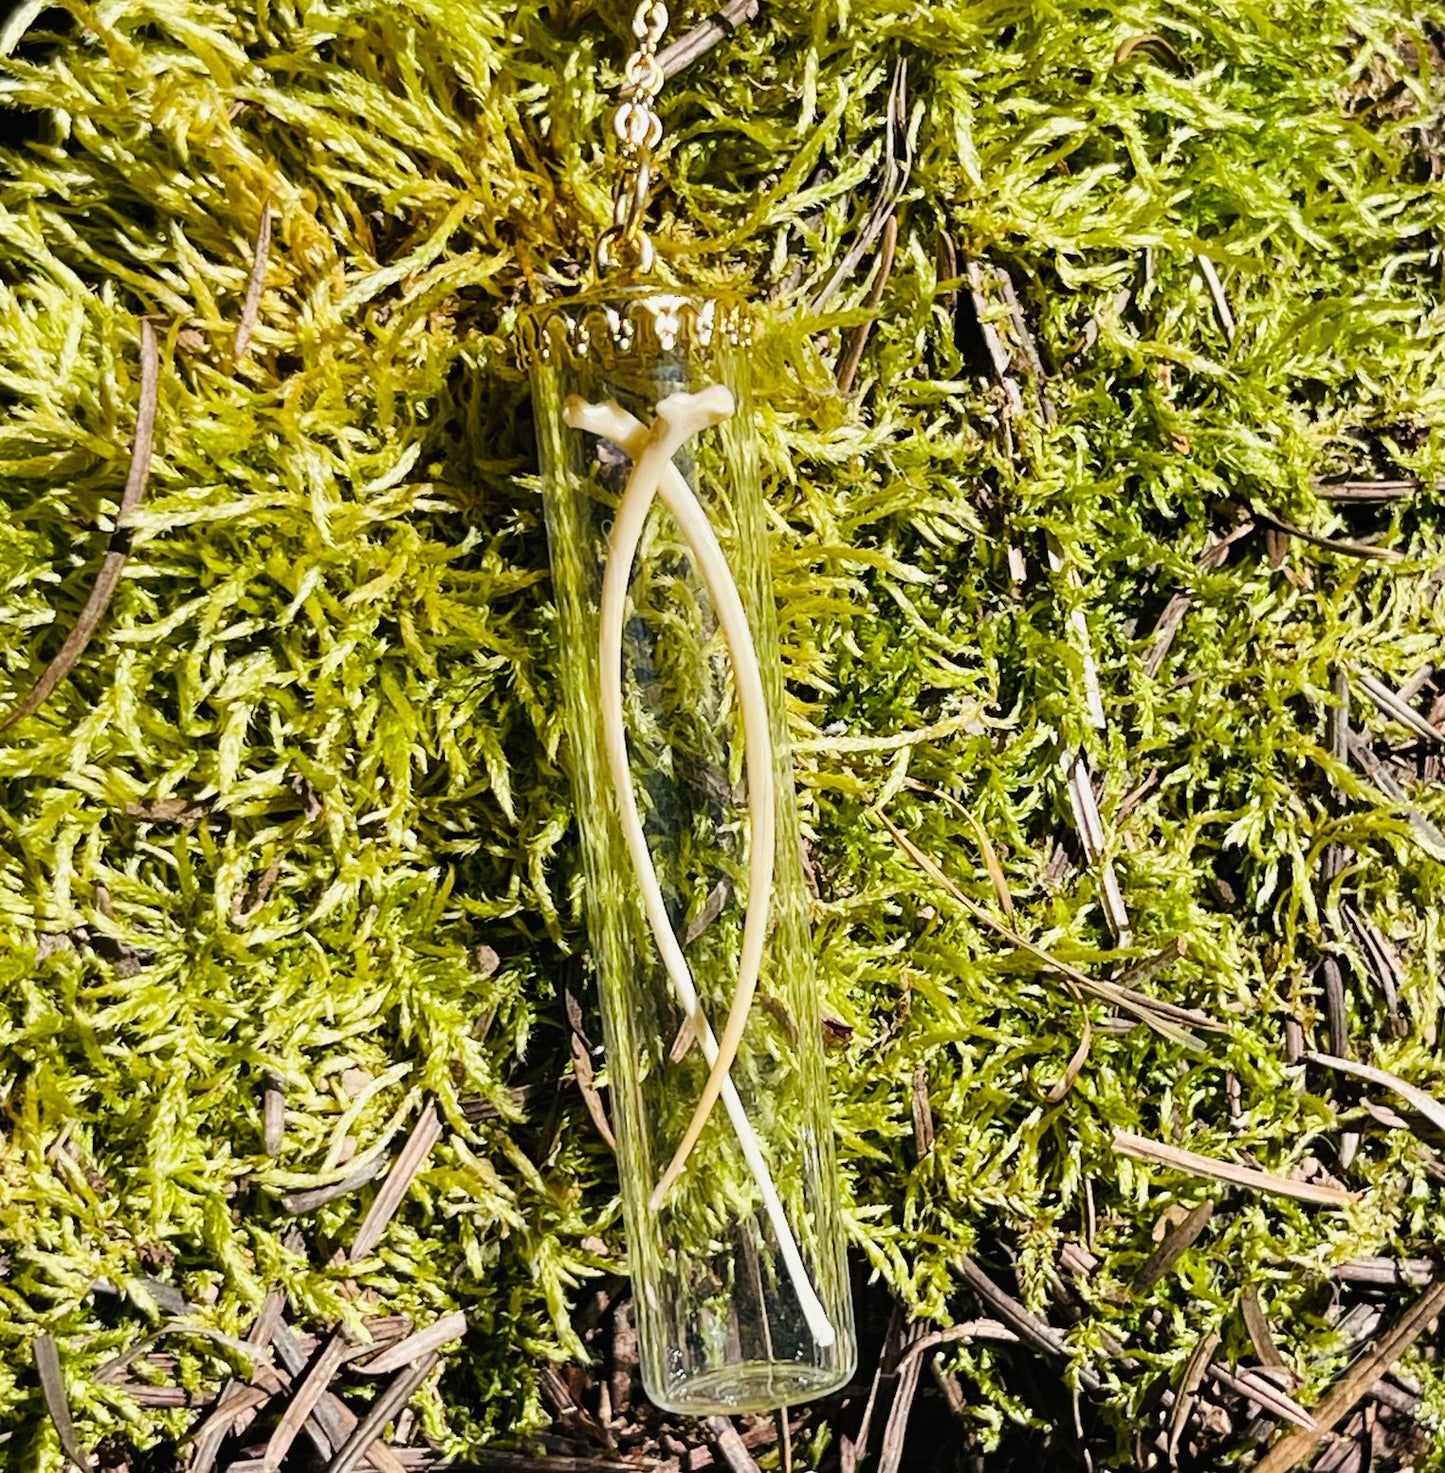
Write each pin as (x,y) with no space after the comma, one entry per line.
(697,909)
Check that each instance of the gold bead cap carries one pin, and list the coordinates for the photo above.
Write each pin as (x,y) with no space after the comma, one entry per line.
(639,322)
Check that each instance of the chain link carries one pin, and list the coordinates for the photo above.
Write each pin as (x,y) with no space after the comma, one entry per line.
(625,243)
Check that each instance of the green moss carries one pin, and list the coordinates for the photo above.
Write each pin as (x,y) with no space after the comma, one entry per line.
(334,642)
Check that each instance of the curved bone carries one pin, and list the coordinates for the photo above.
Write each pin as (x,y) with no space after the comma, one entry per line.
(654,475)
(615,424)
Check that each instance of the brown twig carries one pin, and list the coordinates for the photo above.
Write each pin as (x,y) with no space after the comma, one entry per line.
(296,1204)
(582,1070)
(273,1116)
(1158,1153)
(1146,1010)
(984,1329)
(858,339)
(853,1451)
(1257,1328)
(890,1453)
(426,1133)
(1426,1104)
(1330,544)
(440,1332)
(1363,755)
(702,38)
(500,1460)
(313,1387)
(729,1446)
(255,283)
(1381,961)
(922,1113)
(1391,705)
(1172,616)
(1222,314)
(331,1421)
(214,1430)
(1195,1370)
(1368,490)
(897,164)
(52,1388)
(1177,1242)
(1342,1398)
(118,553)
(1270,1398)
(1077,1060)
(382,1410)
(1387,1272)
(1031,1330)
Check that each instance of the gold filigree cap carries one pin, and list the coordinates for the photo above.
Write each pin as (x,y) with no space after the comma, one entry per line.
(636,322)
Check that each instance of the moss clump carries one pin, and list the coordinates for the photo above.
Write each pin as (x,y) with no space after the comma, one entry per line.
(304,789)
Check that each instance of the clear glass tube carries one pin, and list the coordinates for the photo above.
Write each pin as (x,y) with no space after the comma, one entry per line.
(678,753)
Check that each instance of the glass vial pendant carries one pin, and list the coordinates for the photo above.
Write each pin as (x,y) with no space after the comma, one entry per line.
(697,911)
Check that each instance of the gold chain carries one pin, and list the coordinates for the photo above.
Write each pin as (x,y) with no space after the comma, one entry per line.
(625,243)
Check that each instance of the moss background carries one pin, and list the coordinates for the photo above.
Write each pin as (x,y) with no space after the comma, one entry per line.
(300,811)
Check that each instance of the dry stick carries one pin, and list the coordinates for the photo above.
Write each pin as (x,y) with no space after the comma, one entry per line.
(1367,490)
(1347,549)
(118,553)
(52,1387)
(440,1332)
(858,338)
(1335,1005)
(499,1460)
(254,285)
(1177,1242)
(729,1446)
(1257,1327)
(1396,709)
(1168,623)
(1263,1395)
(273,1117)
(1417,1099)
(1222,314)
(1194,1373)
(1145,1009)
(1147,967)
(1030,1329)
(213,1431)
(952,1392)
(702,38)
(922,1113)
(1355,1384)
(303,1400)
(295,1204)
(1076,1062)
(582,1070)
(1141,1148)
(382,1410)
(968,1330)
(853,1450)
(890,187)
(1387,1272)
(1090,826)
(890,1454)
(1382,961)
(1364,757)
(331,1421)
(409,1161)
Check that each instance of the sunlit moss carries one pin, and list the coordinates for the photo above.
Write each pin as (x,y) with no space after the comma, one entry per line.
(334,643)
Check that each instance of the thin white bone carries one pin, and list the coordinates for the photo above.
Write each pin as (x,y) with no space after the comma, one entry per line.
(614,423)
(654,475)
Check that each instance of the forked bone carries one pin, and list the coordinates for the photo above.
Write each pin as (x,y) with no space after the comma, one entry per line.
(679,417)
